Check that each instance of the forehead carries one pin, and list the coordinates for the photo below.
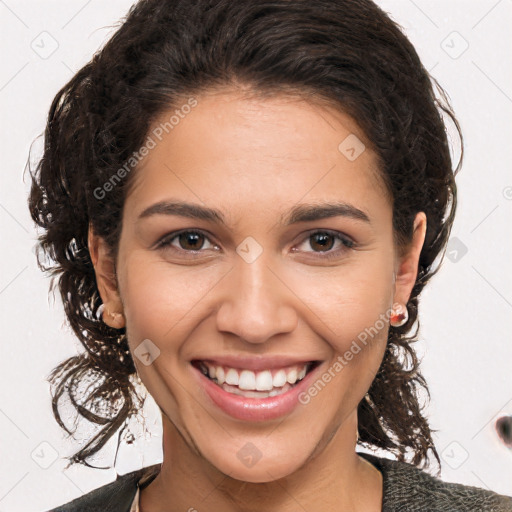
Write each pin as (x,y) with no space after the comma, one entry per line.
(237,147)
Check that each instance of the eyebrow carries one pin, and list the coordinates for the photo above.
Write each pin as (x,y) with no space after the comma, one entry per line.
(300,213)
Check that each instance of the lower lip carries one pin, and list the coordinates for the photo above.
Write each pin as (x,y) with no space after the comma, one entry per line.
(255,409)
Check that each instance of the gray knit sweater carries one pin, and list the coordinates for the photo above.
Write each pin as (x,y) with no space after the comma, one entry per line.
(406,489)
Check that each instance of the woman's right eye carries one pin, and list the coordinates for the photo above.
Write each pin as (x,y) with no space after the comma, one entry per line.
(190,241)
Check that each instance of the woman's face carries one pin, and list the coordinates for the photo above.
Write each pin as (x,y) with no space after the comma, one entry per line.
(273,281)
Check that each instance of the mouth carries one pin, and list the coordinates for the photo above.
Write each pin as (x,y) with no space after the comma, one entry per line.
(255,384)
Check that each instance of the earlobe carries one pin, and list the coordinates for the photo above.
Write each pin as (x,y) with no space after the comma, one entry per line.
(105,270)
(407,265)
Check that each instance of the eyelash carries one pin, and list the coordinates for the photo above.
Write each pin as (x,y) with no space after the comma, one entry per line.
(346,242)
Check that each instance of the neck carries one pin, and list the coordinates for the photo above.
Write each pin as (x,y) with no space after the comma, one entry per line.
(334,478)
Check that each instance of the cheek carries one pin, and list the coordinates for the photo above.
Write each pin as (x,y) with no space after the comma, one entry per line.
(354,309)
(160,300)
(348,300)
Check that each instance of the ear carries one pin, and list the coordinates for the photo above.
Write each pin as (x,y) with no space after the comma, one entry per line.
(105,270)
(406,268)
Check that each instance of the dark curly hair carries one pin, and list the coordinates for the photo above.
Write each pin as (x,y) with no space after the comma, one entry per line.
(346,52)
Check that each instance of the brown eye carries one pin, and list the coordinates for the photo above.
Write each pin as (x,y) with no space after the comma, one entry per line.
(186,242)
(326,245)
(322,241)
(191,240)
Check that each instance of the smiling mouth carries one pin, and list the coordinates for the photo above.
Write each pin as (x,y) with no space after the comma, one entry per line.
(255,384)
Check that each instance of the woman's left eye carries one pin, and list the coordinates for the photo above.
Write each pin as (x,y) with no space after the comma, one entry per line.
(325,240)
(322,242)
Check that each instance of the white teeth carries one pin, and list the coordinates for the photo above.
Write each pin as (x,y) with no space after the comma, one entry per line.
(291,376)
(219,374)
(232,377)
(254,394)
(264,381)
(247,380)
(279,379)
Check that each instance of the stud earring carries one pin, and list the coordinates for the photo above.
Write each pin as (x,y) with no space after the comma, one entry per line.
(399,316)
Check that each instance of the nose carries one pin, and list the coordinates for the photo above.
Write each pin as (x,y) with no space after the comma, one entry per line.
(257,303)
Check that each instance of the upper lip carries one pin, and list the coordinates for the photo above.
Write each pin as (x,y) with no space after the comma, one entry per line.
(256,363)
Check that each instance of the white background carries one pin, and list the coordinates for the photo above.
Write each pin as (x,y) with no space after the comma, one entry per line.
(465,312)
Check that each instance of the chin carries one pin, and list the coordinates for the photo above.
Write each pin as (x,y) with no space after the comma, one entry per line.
(247,463)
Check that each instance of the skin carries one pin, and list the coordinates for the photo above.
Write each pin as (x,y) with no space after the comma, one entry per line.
(254,159)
